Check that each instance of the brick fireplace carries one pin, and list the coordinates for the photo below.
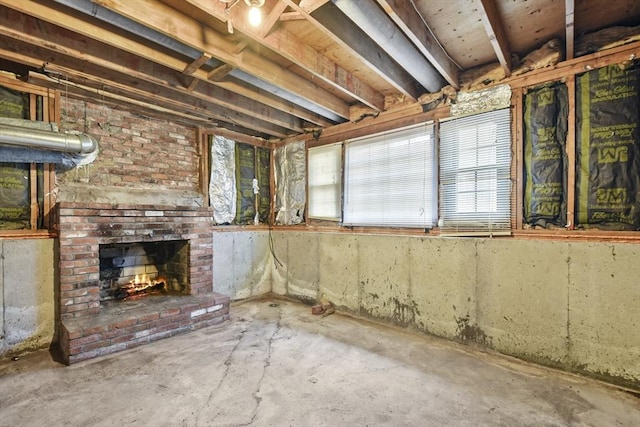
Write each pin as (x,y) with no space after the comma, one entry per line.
(93,323)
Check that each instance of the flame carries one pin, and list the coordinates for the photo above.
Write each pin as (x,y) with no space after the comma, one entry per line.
(141,282)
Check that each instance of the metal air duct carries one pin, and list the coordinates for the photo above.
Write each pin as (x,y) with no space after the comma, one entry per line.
(20,136)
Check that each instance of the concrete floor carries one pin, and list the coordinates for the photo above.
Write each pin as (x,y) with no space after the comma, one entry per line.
(274,364)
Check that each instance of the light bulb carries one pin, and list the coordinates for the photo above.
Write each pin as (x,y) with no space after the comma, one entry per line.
(255,17)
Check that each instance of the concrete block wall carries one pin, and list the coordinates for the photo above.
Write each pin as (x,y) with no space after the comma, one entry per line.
(27,303)
(570,305)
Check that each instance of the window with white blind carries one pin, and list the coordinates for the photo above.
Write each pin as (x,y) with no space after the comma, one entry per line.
(390,179)
(325,182)
(475,182)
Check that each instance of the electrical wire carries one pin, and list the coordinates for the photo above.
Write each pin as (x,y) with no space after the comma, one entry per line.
(272,249)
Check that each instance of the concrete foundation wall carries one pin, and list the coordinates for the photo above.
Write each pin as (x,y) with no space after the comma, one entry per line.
(571,305)
(27,305)
(242,263)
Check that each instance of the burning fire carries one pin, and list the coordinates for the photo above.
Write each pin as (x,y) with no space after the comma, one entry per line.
(143,284)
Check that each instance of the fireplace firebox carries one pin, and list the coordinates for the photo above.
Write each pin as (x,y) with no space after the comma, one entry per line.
(134,270)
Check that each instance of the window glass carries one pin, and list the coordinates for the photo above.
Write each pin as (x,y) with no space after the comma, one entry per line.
(325,182)
(475,184)
(390,179)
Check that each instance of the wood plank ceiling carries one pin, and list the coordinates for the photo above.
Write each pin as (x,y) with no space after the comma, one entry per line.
(309,65)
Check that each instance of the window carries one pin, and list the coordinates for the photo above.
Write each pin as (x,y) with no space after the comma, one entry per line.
(325,182)
(475,185)
(390,179)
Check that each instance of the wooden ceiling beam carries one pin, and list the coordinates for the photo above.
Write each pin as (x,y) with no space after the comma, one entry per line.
(569,7)
(497,36)
(138,72)
(406,17)
(170,22)
(339,29)
(87,28)
(102,84)
(311,5)
(290,47)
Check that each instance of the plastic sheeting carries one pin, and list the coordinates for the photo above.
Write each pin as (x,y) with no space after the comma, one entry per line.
(290,173)
(222,185)
(545,133)
(608,148)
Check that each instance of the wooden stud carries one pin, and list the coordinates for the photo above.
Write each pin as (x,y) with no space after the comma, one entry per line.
(517,163)
(33,103)
(49,179)
(570,148)
(33,184)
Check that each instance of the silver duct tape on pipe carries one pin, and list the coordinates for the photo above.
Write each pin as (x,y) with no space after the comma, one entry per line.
(47,140)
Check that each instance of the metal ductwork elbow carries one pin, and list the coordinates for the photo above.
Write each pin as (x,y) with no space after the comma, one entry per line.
(46,139)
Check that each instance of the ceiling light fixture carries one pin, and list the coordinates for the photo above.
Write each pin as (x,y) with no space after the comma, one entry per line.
(255,15)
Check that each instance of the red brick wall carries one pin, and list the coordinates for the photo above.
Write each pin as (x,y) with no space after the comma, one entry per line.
(84,226)
(135,151)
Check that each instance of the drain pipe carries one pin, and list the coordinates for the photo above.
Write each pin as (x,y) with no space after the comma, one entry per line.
(21,136)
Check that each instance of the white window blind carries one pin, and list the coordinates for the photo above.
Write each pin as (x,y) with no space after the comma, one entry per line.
(390,179)
(475,183)
(325,182)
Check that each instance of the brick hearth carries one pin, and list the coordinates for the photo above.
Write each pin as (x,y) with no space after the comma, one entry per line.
(90,328)
(128,324)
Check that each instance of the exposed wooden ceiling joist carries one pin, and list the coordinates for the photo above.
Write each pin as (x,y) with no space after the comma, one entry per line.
(117,85)
(495,31)
(84,52)
(311,64)
(335,25)
(287,45)
(569,24)
(233,91)
(310,5)
(405,15)
(158,16)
